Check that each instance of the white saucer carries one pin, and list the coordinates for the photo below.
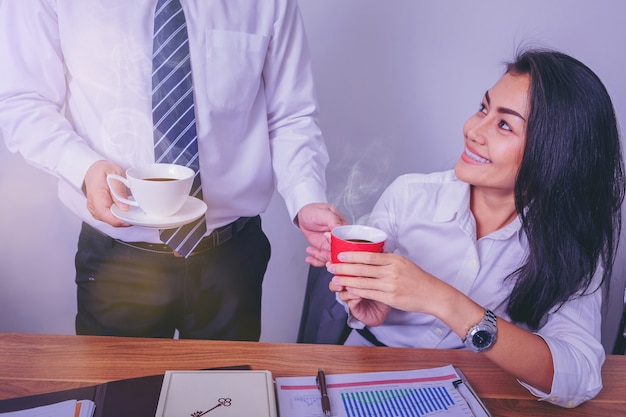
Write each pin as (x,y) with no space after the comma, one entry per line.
(191,210)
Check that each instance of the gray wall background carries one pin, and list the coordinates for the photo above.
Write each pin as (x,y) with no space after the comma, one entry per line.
(396,81)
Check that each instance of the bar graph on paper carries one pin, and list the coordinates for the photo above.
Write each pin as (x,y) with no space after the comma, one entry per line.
(397,402)
(403,393)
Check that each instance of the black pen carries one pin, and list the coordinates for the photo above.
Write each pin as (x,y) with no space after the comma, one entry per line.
(321,385)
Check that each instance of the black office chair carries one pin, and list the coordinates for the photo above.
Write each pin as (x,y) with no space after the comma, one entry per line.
(323,319)
(620,342)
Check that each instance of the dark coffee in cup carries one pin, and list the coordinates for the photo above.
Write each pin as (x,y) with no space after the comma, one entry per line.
(358,238)
(159,190)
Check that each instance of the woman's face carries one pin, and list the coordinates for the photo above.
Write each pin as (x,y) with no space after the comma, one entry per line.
(495,136)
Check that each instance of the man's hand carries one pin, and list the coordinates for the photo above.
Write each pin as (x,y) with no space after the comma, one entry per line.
(316,221)
(99,198)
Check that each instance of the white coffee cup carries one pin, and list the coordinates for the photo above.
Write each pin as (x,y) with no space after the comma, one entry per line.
(160,190)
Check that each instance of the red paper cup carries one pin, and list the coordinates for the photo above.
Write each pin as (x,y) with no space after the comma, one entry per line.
(355,238)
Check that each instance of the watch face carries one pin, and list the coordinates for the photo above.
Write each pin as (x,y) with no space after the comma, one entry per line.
(482,339)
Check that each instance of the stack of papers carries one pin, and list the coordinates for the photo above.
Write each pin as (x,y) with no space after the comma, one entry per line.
(70,408)
(439,391)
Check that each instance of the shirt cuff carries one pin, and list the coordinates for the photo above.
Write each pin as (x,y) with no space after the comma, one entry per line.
(307,192)
(75,162)
(566,390)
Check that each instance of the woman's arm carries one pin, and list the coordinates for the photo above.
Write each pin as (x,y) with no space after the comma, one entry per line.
(397,282)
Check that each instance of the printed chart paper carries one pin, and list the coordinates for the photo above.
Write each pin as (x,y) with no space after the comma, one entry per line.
(429,392)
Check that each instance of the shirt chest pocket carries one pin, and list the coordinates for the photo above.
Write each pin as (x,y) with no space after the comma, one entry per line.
(234,65)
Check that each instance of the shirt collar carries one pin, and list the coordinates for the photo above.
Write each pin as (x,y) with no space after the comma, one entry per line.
(455,203)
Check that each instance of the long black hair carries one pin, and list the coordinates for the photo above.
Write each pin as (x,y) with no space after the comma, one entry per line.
(569,188)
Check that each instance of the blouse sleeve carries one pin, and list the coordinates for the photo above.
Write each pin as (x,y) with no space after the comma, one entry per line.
(572,333)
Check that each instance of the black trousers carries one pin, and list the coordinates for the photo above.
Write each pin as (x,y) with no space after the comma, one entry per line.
(213,294)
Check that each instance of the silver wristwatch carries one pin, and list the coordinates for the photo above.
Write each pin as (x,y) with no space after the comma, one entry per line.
(481,337)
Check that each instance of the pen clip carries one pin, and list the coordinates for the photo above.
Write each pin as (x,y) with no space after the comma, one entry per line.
(320,379)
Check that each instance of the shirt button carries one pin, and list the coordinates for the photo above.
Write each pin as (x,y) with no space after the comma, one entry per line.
(570,404)
(438,331)
(553,399)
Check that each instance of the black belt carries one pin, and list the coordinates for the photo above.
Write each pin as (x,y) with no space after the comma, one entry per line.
(216,238)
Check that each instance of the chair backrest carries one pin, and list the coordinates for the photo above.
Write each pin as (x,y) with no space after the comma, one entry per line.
(620,340)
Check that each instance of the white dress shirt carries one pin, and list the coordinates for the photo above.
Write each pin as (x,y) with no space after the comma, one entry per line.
(75,88)
(428,221)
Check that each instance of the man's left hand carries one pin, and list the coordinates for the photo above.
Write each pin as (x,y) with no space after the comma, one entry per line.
(316,221)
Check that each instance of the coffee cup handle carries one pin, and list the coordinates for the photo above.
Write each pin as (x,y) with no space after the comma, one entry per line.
(110,178)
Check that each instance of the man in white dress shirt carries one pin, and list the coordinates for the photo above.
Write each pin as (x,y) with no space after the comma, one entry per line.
(75,100)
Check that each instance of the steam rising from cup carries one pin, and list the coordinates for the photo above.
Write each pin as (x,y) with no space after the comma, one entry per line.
(365,180)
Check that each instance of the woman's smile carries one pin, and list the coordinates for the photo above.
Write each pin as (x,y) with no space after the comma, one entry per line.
(471,157)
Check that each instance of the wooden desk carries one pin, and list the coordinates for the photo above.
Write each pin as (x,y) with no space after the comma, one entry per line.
(33,364)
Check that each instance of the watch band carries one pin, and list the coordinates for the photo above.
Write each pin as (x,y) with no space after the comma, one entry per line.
(490,317)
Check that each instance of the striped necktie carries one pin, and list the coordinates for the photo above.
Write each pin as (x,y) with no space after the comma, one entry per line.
(175,137)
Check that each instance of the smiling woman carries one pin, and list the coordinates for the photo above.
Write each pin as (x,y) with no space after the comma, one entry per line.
(529,220)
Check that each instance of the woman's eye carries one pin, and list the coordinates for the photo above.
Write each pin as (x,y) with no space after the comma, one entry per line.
(504,125)
(482,108)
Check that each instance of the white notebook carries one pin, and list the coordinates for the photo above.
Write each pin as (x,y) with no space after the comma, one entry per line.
(224,393)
